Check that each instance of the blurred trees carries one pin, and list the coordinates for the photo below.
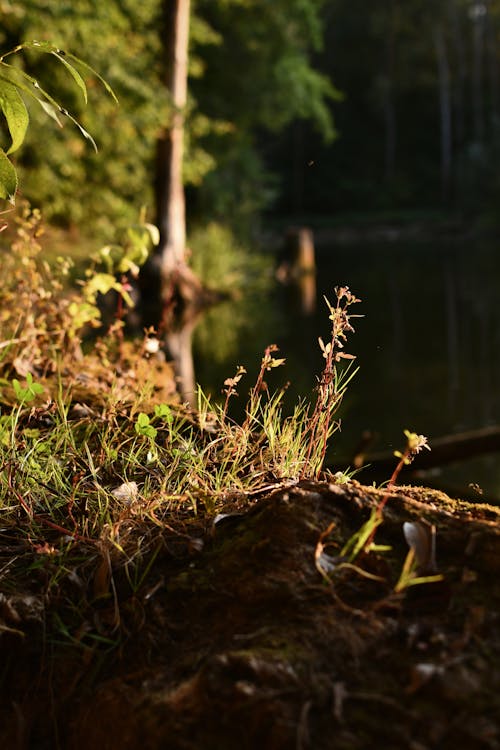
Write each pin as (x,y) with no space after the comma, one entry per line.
(249,69)
(258,78)
(419,122)
(419,125)
(120,39)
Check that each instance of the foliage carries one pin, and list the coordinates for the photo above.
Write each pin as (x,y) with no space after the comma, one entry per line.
(201,457)
(101,465)
(124,44)
(125,40)
(14,82)
(97,462)
(242,272)
(361,555)
(29,392)
(220,259)
(40,318)
(332,383)
(273,83)
(252,127)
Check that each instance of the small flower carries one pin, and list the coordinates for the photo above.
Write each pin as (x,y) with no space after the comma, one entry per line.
(325,348)
(416,442)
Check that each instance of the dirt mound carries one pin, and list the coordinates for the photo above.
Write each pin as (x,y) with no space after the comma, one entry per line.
(242,642)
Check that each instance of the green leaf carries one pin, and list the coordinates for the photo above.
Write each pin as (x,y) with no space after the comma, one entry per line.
(72,71)
(82,130)
(17,387)
(50,99)
(16,114)
(143,426)
(49,110)
(63,57)
(8,178)
(93,72)
(100,282)
(163,411)
(356,543)
(154,233)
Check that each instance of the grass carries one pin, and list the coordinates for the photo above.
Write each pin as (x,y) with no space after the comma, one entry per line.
(97,454)
(102,466)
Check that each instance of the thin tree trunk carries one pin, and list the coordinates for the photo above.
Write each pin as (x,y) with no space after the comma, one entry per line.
(389,108)
(478,11)
(460,73)
(444,110)
(492,68)
(171,212)
(178,341)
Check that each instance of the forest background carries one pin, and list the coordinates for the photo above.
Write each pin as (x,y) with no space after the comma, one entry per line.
(296,108)
(131,521)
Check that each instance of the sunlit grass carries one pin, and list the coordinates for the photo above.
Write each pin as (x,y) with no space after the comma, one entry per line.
(99,459)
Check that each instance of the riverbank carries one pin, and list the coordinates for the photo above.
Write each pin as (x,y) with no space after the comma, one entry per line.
(248,620)
(385,227)
(169,576)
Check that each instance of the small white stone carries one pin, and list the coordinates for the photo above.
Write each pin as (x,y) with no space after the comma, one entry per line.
(151,345)
(126,492)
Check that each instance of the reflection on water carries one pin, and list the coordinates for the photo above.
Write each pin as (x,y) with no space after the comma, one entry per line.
(428,346)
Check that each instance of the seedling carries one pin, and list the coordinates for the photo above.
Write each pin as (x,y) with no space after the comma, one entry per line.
(28,392)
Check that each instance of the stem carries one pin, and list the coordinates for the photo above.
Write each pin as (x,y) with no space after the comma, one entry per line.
(18,48)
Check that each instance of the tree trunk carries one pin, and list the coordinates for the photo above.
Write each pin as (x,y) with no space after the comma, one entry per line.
(444,110)
(492,69)
(460,76)
(478,11)
(167,284)
(170,205)
(389,107)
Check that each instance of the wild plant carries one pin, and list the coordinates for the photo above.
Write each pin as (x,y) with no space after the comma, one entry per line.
(93,456)
(269,444)
(419,566)
(332,383)
(414,445)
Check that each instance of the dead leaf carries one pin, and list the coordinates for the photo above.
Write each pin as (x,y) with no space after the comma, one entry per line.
(7,612)
(22,366)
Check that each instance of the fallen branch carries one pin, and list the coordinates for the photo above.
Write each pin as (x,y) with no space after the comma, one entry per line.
(444,450)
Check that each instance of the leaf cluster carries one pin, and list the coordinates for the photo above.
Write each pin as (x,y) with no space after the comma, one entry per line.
(15,82)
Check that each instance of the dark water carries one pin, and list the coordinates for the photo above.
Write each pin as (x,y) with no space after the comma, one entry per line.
(428,346)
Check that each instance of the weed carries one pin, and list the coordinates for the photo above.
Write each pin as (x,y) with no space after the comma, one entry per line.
(332,383)
(97,458)
(419,566)
(414,444)
(27,393)
(409,574)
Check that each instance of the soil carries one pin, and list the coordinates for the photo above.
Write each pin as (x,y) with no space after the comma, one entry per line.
(249,633)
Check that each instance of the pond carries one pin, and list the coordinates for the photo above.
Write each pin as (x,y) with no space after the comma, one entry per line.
(427,346)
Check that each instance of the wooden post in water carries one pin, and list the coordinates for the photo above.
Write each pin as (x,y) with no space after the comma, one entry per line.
(299,248)
(300,265)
